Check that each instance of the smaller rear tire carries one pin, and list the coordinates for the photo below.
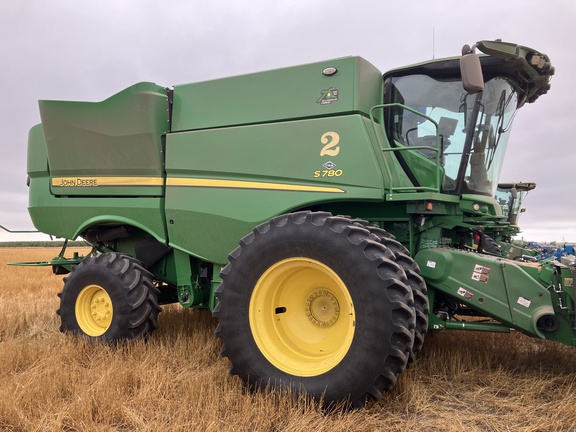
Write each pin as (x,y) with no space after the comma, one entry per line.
(109,297)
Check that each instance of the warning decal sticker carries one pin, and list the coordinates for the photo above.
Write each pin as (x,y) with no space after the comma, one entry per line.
(465,293)
(481,273)
(524,302)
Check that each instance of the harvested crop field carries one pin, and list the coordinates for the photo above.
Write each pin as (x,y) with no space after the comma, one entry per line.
(175,381)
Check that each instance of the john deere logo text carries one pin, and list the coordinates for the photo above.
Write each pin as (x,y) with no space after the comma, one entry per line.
(328,96)
(78,182)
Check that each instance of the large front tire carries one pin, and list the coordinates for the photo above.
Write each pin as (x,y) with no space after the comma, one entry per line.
(414,281)
(308,301)
(109,297)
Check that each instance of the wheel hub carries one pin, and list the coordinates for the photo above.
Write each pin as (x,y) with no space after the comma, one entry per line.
(94,310)
(302,316)
(101,309)
(322,308)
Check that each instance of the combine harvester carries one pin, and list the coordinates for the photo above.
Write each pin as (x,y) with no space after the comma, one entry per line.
(511,196)
(324,213)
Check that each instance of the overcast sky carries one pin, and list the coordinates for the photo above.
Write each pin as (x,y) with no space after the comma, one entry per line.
(89,50)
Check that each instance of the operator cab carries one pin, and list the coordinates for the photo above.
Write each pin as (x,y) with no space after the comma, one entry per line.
(511,196)
(462,133)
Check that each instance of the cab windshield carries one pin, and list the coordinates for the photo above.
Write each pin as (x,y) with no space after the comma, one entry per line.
(473,130)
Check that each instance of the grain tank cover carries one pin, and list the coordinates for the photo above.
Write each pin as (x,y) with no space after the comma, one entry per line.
(120,137)
(345,85)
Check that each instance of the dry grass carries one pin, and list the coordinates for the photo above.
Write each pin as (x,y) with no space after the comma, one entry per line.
(176,381)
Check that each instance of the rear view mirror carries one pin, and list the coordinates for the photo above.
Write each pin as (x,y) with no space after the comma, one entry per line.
(514,192)
(471,70)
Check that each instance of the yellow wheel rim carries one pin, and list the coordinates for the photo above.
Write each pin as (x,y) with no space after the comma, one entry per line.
(302,317)
(93,310)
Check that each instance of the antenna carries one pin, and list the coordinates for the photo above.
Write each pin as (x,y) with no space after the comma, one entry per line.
(433,44)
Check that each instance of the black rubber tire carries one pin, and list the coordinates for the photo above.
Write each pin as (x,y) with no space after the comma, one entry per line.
(488,245)
(414,281)
(376,285)
(134,298)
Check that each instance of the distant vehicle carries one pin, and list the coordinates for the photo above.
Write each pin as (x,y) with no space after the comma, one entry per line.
(510,196)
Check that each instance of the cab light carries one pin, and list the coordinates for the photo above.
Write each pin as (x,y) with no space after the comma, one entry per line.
(329,71)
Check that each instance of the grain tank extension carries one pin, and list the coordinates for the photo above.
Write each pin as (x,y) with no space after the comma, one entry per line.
(324,213)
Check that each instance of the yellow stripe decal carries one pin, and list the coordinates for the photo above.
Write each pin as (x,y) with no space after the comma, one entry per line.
(106,181)
(187,182)
(238,184)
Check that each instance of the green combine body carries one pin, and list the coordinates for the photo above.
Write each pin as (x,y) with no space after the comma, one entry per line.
(324,213)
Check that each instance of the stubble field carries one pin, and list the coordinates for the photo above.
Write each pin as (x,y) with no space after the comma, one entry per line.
(176,381)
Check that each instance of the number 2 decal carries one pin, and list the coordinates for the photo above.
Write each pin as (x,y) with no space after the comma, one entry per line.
(330,141)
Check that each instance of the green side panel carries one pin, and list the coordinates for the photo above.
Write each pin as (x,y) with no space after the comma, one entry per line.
(499,288)
(145,213)
(113,147)
(66,217)
(43,209)
(37,159)
(282,94)
(223,182)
